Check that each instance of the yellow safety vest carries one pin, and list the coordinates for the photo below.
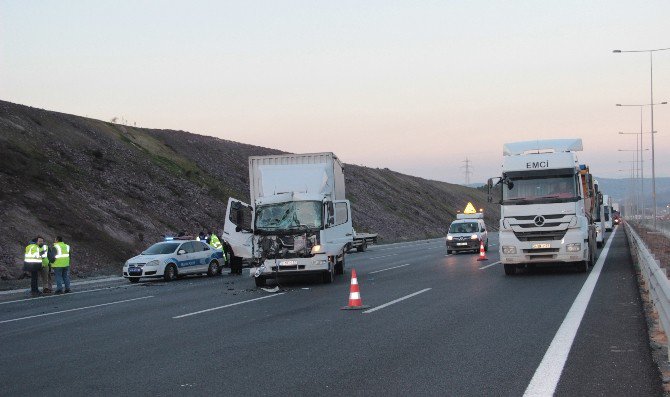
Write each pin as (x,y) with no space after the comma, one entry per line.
(32,254)
(62,255)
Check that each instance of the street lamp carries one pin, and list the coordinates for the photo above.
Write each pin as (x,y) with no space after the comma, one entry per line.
(641,106)
(651,103)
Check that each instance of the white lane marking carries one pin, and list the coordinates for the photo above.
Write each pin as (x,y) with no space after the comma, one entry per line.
(69,293)
(548,373)
(390,268)
(95,281)
(383,256)
(225,306)
(487,266)
(74,310)
(374,309)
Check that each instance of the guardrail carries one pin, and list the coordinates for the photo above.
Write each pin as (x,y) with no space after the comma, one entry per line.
(655,278)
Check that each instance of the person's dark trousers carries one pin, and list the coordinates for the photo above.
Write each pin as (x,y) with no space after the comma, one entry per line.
(33,281)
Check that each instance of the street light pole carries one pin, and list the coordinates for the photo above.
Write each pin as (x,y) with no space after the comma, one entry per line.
(641,106)
(651,103)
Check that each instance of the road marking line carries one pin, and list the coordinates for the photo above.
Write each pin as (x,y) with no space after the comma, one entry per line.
(225,306)
(384,256)
(74,310)
(396,301)
(390,268)
(487,266)
(69,293)
(548,373)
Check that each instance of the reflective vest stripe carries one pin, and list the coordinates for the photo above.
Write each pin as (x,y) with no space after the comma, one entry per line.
(59,251)
(32,254)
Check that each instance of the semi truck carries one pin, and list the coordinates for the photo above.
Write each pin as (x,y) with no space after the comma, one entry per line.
(547,206)
(298,221)
(607,208)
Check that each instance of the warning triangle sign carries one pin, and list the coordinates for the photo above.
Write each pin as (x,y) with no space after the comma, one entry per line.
(470,209)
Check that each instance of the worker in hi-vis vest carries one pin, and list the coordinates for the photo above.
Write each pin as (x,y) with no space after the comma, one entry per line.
(61,265)
(32,263)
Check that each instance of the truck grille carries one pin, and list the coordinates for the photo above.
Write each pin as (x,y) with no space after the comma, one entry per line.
(540,235)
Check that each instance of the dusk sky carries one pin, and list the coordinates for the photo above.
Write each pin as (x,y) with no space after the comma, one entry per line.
(415,86)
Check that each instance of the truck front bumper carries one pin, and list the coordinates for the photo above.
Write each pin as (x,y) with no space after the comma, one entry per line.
(572,248)
(296,266)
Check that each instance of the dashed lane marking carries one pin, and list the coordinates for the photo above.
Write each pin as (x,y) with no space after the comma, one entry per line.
(390,268)
(374,309)
(225,306)
(74,310)
(383,256)
(487,266)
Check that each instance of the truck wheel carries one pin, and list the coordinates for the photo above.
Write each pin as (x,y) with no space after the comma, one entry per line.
(449,252)
(583,267)
(339,266)
(329,275)
(363,247)
(133,279)
(260,281)
(510,269)
(170,272)
(213,269)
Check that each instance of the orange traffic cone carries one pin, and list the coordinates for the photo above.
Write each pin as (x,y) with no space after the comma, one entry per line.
(355,302)
(482,253)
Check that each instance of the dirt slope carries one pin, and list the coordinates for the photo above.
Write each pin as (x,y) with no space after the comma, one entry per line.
(110,190)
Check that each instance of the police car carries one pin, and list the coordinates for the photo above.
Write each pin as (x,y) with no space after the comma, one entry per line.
(174,258)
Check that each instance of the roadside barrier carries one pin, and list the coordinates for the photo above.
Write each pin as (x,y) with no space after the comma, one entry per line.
(655,278)
(355,301)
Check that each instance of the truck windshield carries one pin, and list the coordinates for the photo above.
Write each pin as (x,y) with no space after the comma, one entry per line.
(291,215)
(540,190)
(161,248)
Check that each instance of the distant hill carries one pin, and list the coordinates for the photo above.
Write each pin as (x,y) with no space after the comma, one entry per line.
(111,190)
(619,189)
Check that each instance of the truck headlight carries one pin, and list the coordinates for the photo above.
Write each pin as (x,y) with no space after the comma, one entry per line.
(316,248)
(318,262)
(155,262)
(474,237)
(450,237)
(509,249)
(574,247)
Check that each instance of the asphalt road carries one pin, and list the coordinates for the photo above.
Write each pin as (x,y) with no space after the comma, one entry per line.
(437,325)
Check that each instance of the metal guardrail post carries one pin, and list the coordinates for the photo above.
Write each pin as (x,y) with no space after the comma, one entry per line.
(655,277)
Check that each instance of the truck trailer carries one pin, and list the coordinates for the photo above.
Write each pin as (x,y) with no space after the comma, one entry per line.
(547,206)
(298,221)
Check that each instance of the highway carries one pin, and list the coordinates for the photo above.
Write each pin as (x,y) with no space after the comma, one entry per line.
(437,325)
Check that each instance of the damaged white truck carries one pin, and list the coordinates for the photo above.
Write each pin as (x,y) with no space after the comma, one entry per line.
(298,221)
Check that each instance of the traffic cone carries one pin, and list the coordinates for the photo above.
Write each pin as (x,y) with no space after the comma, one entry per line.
(482,253)
(355,302)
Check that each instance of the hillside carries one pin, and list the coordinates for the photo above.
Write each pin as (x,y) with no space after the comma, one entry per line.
(110,190)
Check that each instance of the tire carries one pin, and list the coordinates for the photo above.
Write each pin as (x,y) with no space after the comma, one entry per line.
(133,279)
(170,272)
(339,266)
(213,269)
(363,247)
(260,281)
(329,275)
(235,265)
(582,267)
(510,269)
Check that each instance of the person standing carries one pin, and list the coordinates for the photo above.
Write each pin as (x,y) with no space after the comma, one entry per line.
(61,265)
(32,262)
(45,271)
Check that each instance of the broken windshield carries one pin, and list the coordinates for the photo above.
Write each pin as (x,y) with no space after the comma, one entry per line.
(291,215)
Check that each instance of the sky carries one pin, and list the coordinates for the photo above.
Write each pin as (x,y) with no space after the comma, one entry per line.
(414,86)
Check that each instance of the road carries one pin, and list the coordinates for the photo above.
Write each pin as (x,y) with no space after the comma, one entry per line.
(437,325)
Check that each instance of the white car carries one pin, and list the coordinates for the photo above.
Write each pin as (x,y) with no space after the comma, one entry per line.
(466,235)
(171,259)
